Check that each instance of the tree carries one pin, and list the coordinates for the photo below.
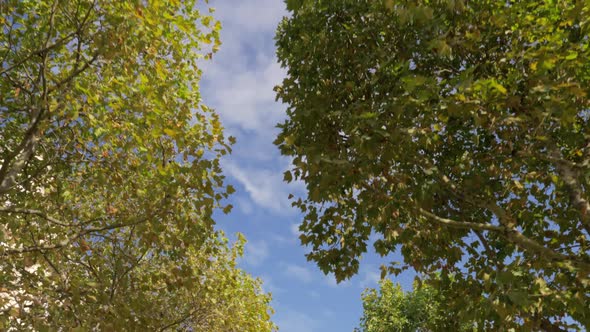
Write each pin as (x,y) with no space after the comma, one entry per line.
(459,133)
(391,309)
(109,172)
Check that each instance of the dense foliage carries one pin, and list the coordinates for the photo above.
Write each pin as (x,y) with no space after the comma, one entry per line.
(459,133)
(109,172)
(391,309)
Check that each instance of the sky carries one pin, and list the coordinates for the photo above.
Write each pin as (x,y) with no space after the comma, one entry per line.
(238,83)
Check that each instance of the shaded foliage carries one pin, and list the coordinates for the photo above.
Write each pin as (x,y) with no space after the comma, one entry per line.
(457,131)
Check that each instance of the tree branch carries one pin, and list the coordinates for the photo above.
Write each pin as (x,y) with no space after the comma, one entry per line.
(515,236)
(43,50)
(36,213)
(462,224)
(180,320)
(10,170)
(488,249)
(75,73)
(16,161)
(69,240)
(572,185)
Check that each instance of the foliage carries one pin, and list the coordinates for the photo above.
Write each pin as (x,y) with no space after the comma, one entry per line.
(458,132)
(109,172)
(391,309)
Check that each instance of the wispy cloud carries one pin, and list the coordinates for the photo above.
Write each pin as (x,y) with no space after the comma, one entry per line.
(251,16)
(370,276)
(255,252)
(245,99)
(294,228)
(281,240)
(295,321)
(239,81)
(270,286)
(330,280)
(244,204)
(298,272)
(265,187)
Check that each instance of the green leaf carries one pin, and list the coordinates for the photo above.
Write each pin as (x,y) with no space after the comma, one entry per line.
(494,84)
(518,297)
(492,95)
(368,115)
(572,55)
(230,189)
(294,5)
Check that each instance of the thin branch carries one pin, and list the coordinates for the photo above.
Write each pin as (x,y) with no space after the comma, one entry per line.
(117,280)
(53,266)
(43,50)
(462,224)
(180,320)
(24,152)
(69,240)
(36,213)
(62,41)
(572,185)
(10,170)
(513,235)
(75,73)
(488,249)
(16,161)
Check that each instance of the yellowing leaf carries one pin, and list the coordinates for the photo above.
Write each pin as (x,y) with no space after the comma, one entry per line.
(389,4)
(572,55)
(498,87)
(170,132)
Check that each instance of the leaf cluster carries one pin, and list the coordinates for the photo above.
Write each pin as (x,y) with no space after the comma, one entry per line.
(456,131)
(109,172)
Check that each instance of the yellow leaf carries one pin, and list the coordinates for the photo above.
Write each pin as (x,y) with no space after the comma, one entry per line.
(389,4)
(499,87)
(170,132)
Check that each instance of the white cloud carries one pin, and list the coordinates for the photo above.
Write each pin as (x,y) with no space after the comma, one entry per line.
(330,280)
(282,240)
(295,321)
(268,286)
(239,81)
(256,146)
(300,273)
(250,16)
(246,99)
(255,252)
(370,278)
(244,205)
(314,294)
(294,228)
(328,313)
(266,188)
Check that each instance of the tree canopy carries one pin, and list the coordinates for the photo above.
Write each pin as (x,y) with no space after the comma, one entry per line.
(109,172)
(457,132)
(389,308)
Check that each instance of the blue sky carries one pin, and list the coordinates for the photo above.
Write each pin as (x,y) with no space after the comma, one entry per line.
(239,83)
